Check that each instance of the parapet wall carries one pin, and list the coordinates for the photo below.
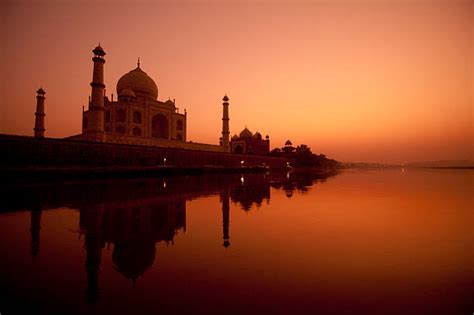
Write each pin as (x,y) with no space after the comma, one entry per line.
(154,142)
(23,150)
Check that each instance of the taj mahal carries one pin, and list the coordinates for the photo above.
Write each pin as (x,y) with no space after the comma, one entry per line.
(138,117)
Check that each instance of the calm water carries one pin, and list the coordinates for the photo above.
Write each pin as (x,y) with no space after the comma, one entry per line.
(361,242)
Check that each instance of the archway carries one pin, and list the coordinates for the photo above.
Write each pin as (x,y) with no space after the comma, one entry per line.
(238,149)
(137,117)
(160,127)
(137,131)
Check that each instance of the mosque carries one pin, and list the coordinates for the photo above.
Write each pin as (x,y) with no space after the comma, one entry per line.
(138,117)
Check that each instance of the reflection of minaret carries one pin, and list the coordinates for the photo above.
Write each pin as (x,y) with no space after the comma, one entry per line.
(35,229)
(225,217)
(91,223)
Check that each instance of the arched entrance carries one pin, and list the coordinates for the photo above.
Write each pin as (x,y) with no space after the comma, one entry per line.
(238,149)
(160,127)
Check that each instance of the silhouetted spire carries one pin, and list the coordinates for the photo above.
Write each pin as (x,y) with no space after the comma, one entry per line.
(39,114)
(225,124)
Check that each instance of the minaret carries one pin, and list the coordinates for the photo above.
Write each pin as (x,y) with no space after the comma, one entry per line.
(39,115)
(95,124)
(225,123)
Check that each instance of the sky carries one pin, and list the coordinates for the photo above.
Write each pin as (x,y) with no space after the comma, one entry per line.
(376,81)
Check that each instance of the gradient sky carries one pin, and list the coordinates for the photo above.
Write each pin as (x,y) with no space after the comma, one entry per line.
(387,80)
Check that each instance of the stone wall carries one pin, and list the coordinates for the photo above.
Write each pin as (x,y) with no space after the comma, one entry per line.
(153,142)
(23,150)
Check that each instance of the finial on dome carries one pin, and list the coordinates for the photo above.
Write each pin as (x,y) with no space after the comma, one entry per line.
(99,51)
(138,63)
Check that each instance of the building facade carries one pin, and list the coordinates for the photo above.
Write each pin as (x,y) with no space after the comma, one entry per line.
(137,116)
(137,112)
(248,143)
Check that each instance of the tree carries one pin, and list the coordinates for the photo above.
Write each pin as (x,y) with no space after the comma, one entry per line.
(304,156)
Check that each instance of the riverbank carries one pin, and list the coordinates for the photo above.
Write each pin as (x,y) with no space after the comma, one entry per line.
(97,172)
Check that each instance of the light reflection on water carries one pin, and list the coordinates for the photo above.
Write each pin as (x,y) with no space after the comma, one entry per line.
(361,242)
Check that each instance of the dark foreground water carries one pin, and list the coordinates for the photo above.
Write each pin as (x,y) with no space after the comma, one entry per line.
(361,242)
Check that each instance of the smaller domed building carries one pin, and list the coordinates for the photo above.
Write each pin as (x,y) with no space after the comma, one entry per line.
(249,143)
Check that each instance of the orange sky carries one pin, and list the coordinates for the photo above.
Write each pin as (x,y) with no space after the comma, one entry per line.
(387,80)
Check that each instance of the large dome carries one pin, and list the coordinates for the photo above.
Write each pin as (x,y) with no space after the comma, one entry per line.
(139,82)
(245,133)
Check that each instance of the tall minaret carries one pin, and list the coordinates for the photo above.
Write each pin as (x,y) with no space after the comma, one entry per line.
(95,123)
(225,123)
(39,115)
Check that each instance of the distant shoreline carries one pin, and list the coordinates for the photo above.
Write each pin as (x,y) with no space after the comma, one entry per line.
(445,167)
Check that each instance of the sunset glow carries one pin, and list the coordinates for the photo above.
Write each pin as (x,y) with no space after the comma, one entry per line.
(377,81)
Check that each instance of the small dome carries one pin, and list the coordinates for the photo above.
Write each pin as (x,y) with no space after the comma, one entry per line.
(139,82)
(225,99)
(234,137)
(257,135)
(126,92)
(169,102)
(245,133)
(288,142)
(41,91)
(99,51)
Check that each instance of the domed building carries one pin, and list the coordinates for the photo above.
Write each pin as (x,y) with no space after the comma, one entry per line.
(137,112)
(248,143)
(137,116)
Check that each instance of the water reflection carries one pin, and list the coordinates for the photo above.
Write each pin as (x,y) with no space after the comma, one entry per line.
(133,216)
(35,229)
(371,242)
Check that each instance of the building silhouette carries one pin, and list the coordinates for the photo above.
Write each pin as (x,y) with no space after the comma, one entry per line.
(136,116)
(248,143)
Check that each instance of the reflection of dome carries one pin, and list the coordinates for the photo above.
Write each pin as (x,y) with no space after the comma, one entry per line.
(139,82)
(127,92)
(245,133)
(133,260)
